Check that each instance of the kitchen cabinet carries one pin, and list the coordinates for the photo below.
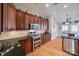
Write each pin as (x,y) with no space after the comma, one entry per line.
(9,17)
(46,24)
(27,45)
(32,20)
(45,38)
(41,24)
(42,39)
(47,21)
(39,21)
(27,21)
(20,20)
(0,17)
(36,20)
(14,19)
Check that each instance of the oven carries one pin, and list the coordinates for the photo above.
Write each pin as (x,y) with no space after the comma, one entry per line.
(36,39)
(36,42)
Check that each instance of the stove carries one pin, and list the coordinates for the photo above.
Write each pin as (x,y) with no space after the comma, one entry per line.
(36,40)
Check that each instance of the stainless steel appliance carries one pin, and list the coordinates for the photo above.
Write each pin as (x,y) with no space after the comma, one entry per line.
(36,42)
(36,39)
(34,26)
(70,45)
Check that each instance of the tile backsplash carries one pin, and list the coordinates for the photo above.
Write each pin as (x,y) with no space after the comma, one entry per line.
(12,34)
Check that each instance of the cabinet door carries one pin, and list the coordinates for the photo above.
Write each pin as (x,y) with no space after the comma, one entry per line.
(0,17)
(20,21)
(9,18)
(47,24)
(27,21)
(32,19)
(26,45)
(36,19)
(42,40)
(5,15)
(42,24)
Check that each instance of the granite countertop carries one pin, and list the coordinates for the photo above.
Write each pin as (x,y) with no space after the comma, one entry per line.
(14,37)
(17,35)
(74,38)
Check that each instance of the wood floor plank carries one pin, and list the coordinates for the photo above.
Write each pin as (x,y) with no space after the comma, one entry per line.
(51,48)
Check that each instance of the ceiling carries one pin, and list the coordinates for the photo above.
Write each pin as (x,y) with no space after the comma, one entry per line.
(55,10)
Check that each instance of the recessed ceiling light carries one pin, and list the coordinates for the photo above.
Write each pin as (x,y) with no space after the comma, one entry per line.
(65,6)
(47,5)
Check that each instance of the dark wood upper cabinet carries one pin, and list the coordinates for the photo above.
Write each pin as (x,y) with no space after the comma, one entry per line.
(44,24)
(9,17)
(32,19)
(14,19)
(36,19)
(0,17)
(20,20)
(27,21)
(47,23)
(41,23)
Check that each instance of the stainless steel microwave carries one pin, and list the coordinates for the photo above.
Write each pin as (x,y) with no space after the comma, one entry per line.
(34,26)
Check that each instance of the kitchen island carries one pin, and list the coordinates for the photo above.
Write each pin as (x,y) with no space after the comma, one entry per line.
(70,43)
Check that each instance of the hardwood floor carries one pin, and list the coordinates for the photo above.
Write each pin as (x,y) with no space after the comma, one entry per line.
(51,48)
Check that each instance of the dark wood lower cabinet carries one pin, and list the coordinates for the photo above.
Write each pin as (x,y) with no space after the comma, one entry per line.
(26,44)
(45,38)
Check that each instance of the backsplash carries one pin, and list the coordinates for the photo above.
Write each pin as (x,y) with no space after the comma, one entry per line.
(12,34)
(12,37)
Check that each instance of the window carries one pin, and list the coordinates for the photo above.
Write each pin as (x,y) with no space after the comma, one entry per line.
(64,27)
(74,28)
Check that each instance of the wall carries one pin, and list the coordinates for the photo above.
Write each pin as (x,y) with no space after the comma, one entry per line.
(53,27)
(26,8)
